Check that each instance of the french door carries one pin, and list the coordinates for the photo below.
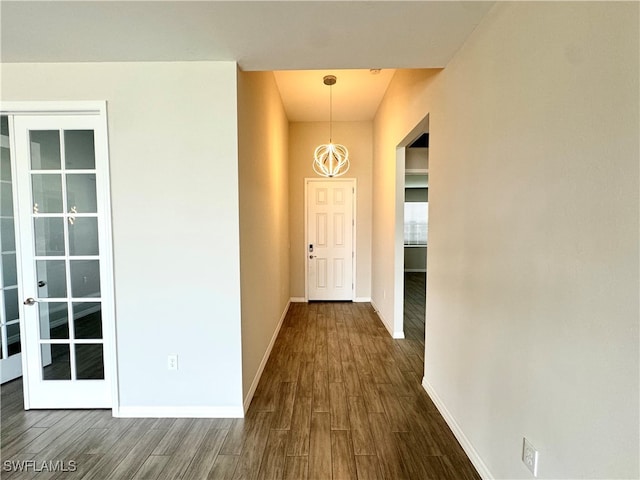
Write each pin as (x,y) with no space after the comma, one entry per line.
(330,239)
(61,170)
(10,345)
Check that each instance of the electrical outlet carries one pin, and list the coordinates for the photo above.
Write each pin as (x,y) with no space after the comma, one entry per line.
(530,457)
(172,362)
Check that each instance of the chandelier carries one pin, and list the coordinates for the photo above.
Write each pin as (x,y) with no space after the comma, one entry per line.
(331,159)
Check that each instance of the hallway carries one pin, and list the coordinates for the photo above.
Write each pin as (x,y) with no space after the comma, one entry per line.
(338,399)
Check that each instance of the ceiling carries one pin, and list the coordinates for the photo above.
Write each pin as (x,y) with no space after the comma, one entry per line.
(259,35)
(356,94)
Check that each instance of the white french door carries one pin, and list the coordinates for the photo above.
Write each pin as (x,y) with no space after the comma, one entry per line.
(330,239)
(10,345)
(61,170)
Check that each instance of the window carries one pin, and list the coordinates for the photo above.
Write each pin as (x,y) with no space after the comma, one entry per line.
(416,217)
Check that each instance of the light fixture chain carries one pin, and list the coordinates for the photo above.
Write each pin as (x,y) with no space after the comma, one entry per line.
(330,113)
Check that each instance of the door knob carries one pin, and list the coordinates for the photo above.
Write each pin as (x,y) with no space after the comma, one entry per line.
(312,257)
(30,301)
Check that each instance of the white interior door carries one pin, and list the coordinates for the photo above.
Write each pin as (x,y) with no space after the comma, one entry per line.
(330,235)
(10,345)
(61,170)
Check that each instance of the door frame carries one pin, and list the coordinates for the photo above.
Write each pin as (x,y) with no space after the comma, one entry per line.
(99,109)
(354,184)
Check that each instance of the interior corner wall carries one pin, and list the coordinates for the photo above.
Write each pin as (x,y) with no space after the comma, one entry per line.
(401,109)
(304,137)
(174,190)
(264,219)
(533,282)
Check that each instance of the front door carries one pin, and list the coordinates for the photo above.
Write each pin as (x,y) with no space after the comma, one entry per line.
(63,204)
(330,236)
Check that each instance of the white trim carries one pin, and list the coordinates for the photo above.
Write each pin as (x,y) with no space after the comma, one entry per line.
(471,452)
(396,335)
(178,412)
(265,358)
(416,171)
(362,299)
(53,108)
(109,329)
(415,270)
(397,315)
(298,300)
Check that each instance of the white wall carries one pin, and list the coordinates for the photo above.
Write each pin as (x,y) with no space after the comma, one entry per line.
(304,137)
(174,186)
(532,301)
(264,219)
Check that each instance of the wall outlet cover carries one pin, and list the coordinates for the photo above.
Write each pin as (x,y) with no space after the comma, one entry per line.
(530,457)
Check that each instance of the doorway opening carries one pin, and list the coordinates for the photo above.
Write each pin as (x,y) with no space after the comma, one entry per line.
(411,233)
(56,219)
(416,218)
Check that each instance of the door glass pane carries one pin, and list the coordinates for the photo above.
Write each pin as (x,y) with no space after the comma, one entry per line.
(89,362)
(9,270)
(6,199)
(55,362)
(13,339)
(45,149)
(54,320)
(85,278)
(5,155)
(5,160)
(53,274)
(81,193)
(8,237)
(49,233)
(79,149)
(47,193)
(87,320)
(10,305)
(83,236)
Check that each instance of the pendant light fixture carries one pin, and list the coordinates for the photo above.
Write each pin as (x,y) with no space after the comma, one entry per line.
(331,159)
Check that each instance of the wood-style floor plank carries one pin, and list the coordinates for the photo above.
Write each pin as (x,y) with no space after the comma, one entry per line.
(298,441)
(223,467)
(367,467)
(343,461)
(273,460)
(151,468)
(296,468)
(206,455)
(338,399)
(320,445)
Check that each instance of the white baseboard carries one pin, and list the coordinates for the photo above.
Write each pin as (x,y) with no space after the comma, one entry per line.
(362,299)
(396,335)
(298,300)
(471,452)
(178,412)
(263,363)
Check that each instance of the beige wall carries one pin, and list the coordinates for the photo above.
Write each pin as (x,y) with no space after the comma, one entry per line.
(401,109)
(174,191)
(304,137)
(264,218)
(532,301)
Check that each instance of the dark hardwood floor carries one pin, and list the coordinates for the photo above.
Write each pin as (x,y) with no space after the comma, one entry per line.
(415,292)
(339,399)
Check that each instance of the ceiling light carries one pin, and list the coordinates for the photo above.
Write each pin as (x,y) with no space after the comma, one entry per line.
(331,159)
